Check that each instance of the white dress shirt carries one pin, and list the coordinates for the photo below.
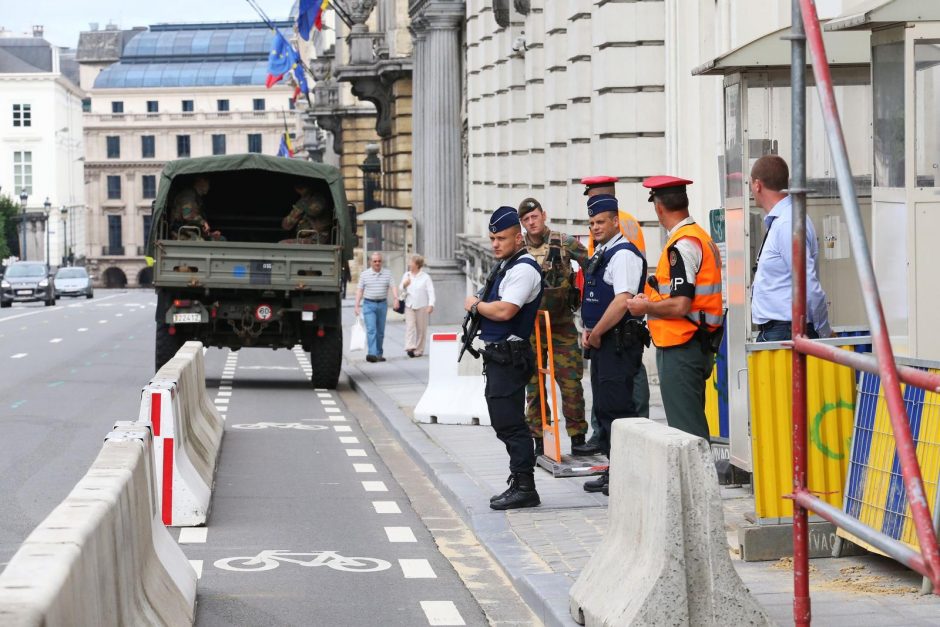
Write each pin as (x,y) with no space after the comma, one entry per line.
(625,269)
(772,289)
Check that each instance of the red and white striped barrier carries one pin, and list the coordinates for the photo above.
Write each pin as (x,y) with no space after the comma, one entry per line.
(454,394)
(187,432)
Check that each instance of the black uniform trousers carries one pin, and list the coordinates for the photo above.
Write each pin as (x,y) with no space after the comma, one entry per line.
(505,400)
(612,372)
(683,373)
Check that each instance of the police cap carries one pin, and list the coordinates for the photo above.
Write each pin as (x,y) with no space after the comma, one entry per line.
(601,203)
(665,185)
(503,218)
(599,184)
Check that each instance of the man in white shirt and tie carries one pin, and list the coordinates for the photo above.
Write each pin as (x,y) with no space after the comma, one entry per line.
(771,300)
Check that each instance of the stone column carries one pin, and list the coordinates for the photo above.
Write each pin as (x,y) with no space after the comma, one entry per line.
(417,123)
(439,201)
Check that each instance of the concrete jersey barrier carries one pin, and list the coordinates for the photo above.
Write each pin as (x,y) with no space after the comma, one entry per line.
(102,557)
(454,394)
(187,433)
(664,560)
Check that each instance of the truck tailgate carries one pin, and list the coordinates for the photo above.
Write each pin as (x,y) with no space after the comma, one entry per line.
(243,265)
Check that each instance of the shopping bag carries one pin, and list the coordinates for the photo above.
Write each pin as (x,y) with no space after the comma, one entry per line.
(357,337)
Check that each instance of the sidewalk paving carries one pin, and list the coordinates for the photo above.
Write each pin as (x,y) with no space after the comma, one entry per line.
(544,549)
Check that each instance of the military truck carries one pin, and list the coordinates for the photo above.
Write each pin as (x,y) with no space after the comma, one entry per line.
(238,279)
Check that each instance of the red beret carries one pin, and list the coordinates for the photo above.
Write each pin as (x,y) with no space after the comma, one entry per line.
(665,184)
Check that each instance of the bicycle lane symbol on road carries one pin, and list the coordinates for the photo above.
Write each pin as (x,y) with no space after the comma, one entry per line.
(279,425)
(272,558)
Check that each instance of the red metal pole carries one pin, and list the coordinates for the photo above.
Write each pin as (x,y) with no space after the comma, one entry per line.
(866,363)
(907,454)
(802,612)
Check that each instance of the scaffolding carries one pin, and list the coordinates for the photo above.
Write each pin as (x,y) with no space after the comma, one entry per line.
(806,30)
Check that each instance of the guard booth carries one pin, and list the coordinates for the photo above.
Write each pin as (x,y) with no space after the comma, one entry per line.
(388,231)
(904,36)
(757,121)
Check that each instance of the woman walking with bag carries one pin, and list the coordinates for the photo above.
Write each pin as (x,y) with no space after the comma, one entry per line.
(418,291)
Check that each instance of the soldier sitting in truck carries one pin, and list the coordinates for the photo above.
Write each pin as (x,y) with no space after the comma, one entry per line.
(187,219)
(310,218)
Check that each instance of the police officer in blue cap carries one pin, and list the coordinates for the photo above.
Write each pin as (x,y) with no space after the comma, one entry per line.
(613,338)
(507,319)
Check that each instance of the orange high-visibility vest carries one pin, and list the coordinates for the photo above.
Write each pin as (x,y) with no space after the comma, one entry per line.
(630,229)
(676,331)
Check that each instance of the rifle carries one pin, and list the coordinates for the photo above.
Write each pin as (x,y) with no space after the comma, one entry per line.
(471,323)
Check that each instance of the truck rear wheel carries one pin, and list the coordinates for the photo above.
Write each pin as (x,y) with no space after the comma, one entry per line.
(326,358)
(165,345)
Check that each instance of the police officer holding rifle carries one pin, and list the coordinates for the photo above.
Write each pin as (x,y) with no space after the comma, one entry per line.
(506,311)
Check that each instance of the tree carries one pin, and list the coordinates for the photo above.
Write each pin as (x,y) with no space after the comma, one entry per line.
(9,238)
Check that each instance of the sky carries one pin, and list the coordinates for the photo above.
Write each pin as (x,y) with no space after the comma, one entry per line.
(63,20)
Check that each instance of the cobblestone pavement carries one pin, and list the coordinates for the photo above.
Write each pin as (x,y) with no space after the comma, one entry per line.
(544,549)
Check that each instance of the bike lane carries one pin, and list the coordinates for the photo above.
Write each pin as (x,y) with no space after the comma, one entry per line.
(308,526)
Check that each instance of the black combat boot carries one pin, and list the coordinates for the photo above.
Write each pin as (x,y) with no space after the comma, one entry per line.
(505,492)
(521,493)
(580,447)
(539,446)
(597,485)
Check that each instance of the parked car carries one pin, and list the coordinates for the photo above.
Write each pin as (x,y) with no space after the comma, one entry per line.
(26,281)
(73,282)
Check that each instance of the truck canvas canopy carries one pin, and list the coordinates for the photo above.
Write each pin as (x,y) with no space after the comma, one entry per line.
(249,195)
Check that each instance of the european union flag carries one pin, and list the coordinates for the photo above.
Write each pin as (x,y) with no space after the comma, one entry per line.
(301,77)
(280,59)
(306,16)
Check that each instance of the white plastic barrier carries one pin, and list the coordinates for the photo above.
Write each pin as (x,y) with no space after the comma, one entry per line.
(454,394)
(664,560)
(102,557)
(187,433)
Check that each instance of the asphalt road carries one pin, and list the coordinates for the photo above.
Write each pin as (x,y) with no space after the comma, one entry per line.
(308,526)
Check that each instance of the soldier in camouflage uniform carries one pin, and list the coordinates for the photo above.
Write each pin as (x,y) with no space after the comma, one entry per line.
(309,213)
(188,211)
(554,252)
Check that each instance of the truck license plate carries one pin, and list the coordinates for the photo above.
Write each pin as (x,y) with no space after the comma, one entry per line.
(187,317)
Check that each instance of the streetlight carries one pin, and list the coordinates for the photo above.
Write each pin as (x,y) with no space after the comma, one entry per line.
(23,197)
(48,207)
(65,236)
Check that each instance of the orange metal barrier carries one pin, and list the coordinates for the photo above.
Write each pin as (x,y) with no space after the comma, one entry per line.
(550,438)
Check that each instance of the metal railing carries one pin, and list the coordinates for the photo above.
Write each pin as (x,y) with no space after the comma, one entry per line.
(805,27)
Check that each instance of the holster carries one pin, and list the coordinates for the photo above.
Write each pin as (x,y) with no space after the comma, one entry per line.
(517,354)
(632,333)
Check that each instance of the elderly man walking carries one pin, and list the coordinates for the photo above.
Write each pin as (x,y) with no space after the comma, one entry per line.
(374,284)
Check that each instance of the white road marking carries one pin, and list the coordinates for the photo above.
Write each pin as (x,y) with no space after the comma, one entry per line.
(332,410)
(82,330)
(320,390)
(18,356)
(364,468)
(322,395)
(386,507)
(55,340)
(337,418)
(197,566)
(374,486)
(222,401)
(193,535)
(225,387)
(400,534)
(417,569)
(325,402)
(349,439)
(442,613)
(342,428)
(51,310)
(356,452)
(118,315)
(221,393)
